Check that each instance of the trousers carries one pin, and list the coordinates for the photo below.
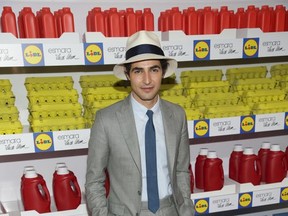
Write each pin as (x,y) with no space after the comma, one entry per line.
(167,208)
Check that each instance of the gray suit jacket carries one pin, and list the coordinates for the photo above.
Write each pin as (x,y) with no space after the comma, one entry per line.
(114,144)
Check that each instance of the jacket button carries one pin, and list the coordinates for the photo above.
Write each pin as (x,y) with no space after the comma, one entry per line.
(139,193)
(137,214)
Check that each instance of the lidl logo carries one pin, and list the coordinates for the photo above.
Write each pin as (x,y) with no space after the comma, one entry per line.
(202,206)
(284,194)
(247,124)
(33,54)
(250,47)
(94,54)
(286,120)
(202,50)
(201,128)
(43,141)
(245,200)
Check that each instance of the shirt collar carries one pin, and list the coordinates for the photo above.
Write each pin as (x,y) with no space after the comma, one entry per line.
(141,110)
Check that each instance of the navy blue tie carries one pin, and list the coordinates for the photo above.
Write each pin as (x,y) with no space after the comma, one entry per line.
(151,164)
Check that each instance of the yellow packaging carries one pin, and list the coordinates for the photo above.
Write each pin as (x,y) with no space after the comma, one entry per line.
(246,73)
(53,96)
(93,81)
(255,96)
(5,85)
(194,114)
(172,90)
(10,127)
(47,83)
(270,107)
(183,101)
(226,111)
(209,87)
(9,113)
(279,70)
(200,76)
(214,99)
(7,98)
(254,84)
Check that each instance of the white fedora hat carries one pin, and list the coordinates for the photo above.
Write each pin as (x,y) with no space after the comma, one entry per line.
(144,45)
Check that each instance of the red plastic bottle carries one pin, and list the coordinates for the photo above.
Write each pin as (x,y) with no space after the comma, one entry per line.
(148,19)
(114,23)
(66,190)
(213,172)
(199,168)
(234,162)
(250,169)
(240,18)
(57,15)
(123,30)
(208,21)
(191,178)
(200,13)
(8,21)
(224,18)
(34,192)
(67,20)
(97,20)
(176,20)
(279,18)
(191,21)
(264,18)
(276,168)
(251,16)
(47,24)
(130,21)
(28,23)
(262,155)
(138,20)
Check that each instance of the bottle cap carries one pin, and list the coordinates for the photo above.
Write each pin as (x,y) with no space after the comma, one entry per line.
(203,151)
(275,147)
(265,145)
(238,148)
(212,154)
(63,170)
(27,168)
(248,151)
(30,173)
(60,164)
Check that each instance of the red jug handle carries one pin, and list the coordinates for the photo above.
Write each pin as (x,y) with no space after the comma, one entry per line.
(77,187)
(284,161)
(46,191)
(258,167)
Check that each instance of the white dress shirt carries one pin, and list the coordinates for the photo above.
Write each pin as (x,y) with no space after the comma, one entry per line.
(164,184)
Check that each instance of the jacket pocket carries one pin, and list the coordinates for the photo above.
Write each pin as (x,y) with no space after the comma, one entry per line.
(116,209)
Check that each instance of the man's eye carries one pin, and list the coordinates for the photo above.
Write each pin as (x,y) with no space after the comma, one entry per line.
(136,71)
(155,70)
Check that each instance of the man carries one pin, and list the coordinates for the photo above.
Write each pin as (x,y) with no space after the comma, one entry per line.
(122,138)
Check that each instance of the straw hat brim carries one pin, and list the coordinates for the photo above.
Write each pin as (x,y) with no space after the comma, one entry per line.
(119,69)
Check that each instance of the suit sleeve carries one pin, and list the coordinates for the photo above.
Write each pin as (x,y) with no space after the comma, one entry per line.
(96,163)
(182,172)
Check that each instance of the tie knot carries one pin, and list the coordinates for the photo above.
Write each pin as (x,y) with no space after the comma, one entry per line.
(149,113)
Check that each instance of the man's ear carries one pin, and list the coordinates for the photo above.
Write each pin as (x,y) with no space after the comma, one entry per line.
(127,75)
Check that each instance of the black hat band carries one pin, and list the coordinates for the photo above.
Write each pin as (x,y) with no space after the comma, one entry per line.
(144,49)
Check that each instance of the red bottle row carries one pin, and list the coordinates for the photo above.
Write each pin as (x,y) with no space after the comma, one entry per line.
(35,194)
(44,24)
(209,20)
(122,23)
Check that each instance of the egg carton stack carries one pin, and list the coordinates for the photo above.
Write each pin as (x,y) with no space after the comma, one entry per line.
(9,114)
(100,91)
(277,98)
(53,104)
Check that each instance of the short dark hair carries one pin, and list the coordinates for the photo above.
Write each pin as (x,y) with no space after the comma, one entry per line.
(164,65)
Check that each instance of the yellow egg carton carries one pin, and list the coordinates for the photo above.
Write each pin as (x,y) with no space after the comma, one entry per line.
(246,73)
(215,99)
(270,107)
(283,82)
(256,96)
(53,96)
(194,114)
(279,70)
(7,98)
(5,85)
(254,84)
(172,90)
(226,111)
(57,124)
(93,81)
(9,113)
(10,127)
(105,93)
(201,76)
(48,83)
(208,87)
(183,101)
(55,110)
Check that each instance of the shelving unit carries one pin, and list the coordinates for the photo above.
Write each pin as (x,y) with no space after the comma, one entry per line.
(68,55)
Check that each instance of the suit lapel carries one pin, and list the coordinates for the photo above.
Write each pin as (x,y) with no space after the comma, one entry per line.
(127,124)
(169,130)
